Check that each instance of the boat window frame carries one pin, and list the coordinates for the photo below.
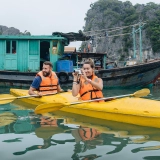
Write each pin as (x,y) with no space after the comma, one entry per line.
(12,48)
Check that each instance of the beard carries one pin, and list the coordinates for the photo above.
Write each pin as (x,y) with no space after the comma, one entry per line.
(46,74)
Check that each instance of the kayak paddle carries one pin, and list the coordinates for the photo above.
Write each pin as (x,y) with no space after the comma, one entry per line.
(11,98)
(51,107)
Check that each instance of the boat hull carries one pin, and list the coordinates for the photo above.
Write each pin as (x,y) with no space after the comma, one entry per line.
(130,76)
(138,111)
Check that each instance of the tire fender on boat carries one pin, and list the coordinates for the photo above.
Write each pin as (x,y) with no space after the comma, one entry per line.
(63,77)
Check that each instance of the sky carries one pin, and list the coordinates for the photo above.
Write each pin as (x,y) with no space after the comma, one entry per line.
(42,17)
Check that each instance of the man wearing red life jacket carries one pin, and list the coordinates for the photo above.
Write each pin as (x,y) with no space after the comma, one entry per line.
(45,82)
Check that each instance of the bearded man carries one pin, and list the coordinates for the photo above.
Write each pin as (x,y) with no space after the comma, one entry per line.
(45,82)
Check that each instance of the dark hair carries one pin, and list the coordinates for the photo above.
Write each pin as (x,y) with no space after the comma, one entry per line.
(90,62)
(48,63)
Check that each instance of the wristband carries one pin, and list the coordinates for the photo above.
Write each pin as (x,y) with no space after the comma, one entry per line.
(74,82)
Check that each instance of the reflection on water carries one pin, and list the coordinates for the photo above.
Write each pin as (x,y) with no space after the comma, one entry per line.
(155,90)
(24,134)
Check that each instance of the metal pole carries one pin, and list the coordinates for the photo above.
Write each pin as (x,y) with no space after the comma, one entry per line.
(134,43)
(77,59)
(104,61)
(140,42)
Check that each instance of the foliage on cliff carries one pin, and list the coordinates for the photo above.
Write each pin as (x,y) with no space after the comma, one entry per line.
(4,30)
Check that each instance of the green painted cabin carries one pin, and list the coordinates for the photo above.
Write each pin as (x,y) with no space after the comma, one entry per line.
(27,53)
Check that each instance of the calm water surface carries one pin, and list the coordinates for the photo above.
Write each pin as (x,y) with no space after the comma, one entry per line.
(62,136)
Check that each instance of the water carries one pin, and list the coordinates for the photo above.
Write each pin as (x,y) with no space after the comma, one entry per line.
(64,136)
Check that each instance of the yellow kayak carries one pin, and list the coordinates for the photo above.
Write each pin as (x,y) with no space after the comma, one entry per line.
(61,97)
(137,111)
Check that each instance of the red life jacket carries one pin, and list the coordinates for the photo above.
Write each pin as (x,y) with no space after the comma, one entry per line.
(48,84)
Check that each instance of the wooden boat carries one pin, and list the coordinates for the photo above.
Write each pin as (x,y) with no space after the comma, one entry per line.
(138,111)
(131,76)
(15,70)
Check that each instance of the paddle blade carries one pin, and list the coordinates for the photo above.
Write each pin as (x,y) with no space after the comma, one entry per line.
(49,107)
(142,93)
(6,98)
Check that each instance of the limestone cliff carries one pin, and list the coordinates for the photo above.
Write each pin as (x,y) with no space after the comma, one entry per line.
(110,23)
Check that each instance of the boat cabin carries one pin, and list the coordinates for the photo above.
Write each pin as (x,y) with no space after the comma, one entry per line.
(24,53)
(78,59)
(27,53)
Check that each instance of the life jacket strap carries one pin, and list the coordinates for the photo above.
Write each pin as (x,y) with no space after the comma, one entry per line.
(47,90)
(49,86)
(88,92)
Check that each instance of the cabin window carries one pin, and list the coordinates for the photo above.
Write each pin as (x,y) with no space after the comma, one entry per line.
(11,47)
(8,46)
